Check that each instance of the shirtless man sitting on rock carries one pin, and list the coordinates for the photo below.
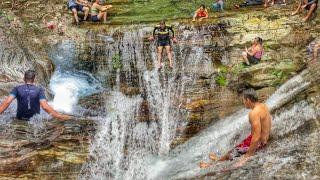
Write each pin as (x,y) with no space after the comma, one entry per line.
(260,121)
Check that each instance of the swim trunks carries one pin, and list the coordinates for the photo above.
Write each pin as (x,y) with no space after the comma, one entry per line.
(164,42)
(243,148)
(314,2)
(94,18)
(252,59)
(77,7)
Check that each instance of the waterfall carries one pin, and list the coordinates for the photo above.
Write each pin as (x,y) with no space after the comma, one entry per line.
(126,152)
(68,84)
(183,161)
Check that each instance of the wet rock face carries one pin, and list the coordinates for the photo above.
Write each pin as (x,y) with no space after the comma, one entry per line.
(292,154)
(120,58)
(44,149)
(17,54)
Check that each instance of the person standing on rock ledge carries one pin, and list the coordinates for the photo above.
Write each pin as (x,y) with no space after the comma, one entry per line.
(30,98)
(163,34)
(260,121)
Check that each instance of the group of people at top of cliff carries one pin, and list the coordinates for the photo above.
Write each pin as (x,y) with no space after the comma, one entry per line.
(310,5)
(97,10)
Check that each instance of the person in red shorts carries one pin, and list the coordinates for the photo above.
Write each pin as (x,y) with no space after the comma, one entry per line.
(201,13)
(260,121)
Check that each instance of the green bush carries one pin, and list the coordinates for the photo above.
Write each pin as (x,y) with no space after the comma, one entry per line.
(221,79)
(116,62)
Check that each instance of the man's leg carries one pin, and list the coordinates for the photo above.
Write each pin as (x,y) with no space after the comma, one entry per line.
(105,17)
(75,15)
(298,9)
(159,52)
(101,15)
(214,158)
(245,58)
(315,52)
(221,5)
(169,54)
(86,13)
(311,10)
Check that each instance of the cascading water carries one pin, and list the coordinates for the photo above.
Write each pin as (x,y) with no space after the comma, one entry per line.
(67,84)
(183,161)
(124,146)
(127,148)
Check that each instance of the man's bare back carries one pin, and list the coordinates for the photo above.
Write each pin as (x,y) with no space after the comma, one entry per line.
(260,121)
(261,113)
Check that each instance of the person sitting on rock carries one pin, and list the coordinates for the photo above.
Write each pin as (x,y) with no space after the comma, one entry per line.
(249,3)
(79,5)
(218,5)
(310,5)
(260,121)
(30,97)
(254,54)
(201,13)
(99,11)
(162,32)
(315,52)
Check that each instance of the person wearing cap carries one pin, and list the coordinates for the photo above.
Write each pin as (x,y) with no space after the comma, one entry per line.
(30,97)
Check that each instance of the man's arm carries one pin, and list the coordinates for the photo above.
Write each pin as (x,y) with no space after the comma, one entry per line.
(45,106)
(5,104)
(154,32)
(82,2)
(171,29)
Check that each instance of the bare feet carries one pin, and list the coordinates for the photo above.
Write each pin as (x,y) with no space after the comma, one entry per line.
(305,19)
(171,66)
(204,165)
(294,13)
(213,156)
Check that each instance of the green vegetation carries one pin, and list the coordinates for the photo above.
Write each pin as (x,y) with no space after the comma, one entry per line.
(138,11)
(237,69)
(221,79)
(280,77)
(116,62)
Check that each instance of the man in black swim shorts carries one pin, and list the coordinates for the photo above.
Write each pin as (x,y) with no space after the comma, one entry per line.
(162,32)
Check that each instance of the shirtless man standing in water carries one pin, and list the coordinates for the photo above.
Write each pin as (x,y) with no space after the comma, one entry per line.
(260,121)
